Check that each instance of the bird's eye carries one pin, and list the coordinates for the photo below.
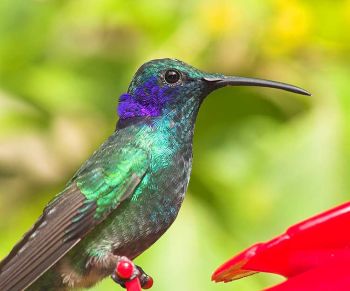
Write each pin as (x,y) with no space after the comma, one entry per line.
(172,76)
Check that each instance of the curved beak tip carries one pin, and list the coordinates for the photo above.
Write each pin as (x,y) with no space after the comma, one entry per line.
(219,82)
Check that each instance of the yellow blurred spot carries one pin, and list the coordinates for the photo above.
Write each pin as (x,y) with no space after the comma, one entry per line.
(290,27)
(218,18)
(346,11)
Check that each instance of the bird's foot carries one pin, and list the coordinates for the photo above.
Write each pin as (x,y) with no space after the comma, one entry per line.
(126,272)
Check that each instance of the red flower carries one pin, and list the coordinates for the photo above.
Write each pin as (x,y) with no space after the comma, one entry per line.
(312,255)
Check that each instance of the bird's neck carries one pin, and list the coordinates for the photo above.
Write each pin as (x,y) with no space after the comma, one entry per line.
(176,121)
(181,120)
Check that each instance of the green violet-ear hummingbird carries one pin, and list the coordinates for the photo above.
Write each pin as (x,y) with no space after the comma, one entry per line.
(128,193)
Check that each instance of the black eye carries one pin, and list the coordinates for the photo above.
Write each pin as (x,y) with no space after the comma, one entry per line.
(172,76)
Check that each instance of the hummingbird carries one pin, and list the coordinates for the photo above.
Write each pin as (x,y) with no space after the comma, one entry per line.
(129,192)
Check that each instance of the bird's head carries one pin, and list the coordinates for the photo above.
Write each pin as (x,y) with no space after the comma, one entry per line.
(166,84)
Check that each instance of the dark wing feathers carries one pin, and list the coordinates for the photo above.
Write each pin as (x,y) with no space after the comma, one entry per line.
(68,218)
(42,246)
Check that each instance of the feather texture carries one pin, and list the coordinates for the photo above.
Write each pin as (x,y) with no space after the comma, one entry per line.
(94,192)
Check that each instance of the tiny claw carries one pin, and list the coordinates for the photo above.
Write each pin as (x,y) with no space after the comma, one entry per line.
(126,272)
(118,280)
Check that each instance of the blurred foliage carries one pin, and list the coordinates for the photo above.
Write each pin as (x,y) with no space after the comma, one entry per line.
(263,159)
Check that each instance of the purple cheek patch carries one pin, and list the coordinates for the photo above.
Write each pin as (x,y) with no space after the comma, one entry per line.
(147,100)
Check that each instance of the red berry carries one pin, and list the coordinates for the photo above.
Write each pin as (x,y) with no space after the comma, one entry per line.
(148,284)
(125,269)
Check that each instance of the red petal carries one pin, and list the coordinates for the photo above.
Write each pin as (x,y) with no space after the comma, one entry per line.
(319,241)
(334,276)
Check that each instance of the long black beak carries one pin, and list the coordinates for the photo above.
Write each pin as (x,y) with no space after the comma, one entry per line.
(219,82)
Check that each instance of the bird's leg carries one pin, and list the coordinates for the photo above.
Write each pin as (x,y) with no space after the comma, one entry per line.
(126,272)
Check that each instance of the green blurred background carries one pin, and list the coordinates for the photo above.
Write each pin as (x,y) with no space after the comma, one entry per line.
(263,159)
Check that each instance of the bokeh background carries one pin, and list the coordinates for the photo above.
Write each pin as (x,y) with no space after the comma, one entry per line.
(263,159)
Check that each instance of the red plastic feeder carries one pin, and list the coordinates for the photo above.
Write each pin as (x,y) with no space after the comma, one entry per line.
(124,270)
(312,255)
